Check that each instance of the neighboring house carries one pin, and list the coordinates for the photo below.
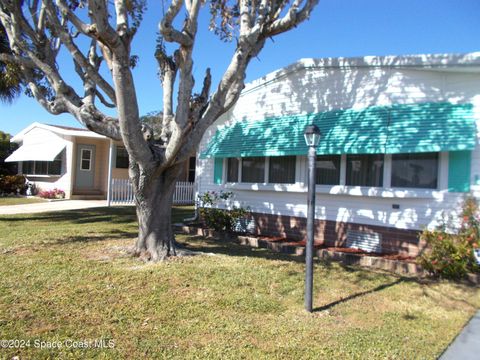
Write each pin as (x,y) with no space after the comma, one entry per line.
(399,148)
(74,160)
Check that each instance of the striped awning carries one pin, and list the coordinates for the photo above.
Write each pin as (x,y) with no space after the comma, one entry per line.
(410,128)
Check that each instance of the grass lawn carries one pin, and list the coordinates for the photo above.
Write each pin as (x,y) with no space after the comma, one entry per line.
(18,200)
(67,278)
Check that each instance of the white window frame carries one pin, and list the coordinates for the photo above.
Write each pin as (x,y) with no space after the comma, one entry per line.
(440,158)
(89,160)
(386,191)
(225,171)
(265,170)
(267,178)
(48,174)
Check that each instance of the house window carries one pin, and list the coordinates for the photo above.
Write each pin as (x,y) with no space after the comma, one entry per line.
(365,170)
(55,166)
(232,170)
(282,170)
(28,167)
(121,160)
(191,169)
(328,170)
(415,170)
(43,167)
(86,160)
(253,170)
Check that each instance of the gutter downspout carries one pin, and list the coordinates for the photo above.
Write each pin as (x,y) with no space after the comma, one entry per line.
(195,216)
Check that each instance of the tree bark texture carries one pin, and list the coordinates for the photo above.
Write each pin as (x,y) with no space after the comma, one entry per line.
(156,240)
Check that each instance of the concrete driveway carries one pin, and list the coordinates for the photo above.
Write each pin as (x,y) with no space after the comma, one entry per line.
(467,344)
(47,206)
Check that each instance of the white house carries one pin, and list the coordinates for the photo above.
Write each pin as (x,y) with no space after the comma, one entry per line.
(399,148)
(74,160)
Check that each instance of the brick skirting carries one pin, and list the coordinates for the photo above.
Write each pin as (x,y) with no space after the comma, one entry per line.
(332,233)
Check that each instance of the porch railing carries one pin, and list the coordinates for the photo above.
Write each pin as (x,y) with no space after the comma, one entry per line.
(122,193)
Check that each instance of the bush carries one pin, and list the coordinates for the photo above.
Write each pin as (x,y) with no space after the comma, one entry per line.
(451,255)
(52,194)
(12,184)
(219,219)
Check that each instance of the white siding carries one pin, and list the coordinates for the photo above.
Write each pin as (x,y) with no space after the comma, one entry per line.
(316,90)
(64,182)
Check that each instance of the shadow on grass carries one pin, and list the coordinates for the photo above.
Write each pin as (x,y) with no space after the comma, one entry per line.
(360,294)
(361,275)
(81,216)
(230,248)
(111,235)
(116,215)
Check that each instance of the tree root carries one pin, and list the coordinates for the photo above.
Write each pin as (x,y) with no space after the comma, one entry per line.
(162,255)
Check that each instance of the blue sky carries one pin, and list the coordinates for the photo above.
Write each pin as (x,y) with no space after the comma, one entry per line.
(337,28)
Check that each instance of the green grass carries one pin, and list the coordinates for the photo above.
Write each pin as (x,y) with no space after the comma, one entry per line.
(67,277)
(18,200)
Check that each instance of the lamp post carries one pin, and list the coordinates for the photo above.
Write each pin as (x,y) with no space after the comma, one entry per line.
(312,138)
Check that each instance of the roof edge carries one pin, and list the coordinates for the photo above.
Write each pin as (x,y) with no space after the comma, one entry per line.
(70,132)
(427,61)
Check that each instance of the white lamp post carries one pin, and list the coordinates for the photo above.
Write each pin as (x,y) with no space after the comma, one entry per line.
(312,138)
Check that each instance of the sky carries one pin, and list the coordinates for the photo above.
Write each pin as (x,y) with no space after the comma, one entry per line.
(337,28)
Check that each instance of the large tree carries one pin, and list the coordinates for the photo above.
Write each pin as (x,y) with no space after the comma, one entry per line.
(98,35)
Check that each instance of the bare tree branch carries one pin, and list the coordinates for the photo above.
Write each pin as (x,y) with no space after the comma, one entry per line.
(292,18)
(168,73)
(86,29)
(245,16)
(185,86)
(101,28)
(103,100)
(77,55)
(122,17)
(167,30)
(17,59)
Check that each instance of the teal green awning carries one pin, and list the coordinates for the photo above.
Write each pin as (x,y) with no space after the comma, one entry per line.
(424,127)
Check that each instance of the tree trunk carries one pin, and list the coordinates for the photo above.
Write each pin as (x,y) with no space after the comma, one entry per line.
(156,240)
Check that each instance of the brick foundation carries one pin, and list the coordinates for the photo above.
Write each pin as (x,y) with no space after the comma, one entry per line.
(332,233)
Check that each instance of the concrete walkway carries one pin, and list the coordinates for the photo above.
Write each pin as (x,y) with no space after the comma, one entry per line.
(466,345)
(47,206)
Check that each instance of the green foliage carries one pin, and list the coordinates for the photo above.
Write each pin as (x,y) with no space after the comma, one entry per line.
(6,148)
(451,254)
(12,184)
(224,19)
(154,120)
(219,219)
(10,81)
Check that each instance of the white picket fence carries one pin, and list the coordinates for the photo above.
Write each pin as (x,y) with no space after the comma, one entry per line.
(184,193)
(122,193)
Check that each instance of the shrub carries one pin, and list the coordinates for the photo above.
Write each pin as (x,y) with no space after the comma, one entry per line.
(219,219)
(52,194)
(12,184)
(451,253)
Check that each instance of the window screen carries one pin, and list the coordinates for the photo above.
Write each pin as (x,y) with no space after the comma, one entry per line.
(282,170)
(253,170)
(415,170)
(328,170)
(365,170)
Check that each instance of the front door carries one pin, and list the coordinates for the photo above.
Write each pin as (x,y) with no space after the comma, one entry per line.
(85,166)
